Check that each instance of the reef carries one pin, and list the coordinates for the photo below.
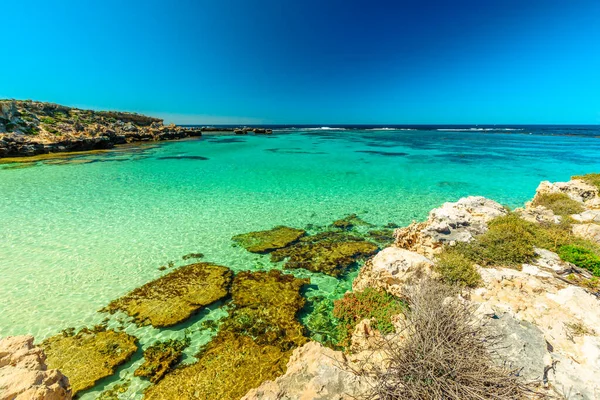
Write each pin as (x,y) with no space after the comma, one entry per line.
(266,241)
(349,222)
(89,355)
(176,296)
(160,358)
(253,345)
(327,252)
(28,128)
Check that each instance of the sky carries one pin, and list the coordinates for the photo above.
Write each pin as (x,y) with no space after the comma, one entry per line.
(310,61)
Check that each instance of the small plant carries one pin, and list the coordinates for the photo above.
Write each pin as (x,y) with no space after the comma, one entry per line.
(578,329)
(581,257)
(368,304)
(559,203)
(48,120)
(456,269)
(592,179)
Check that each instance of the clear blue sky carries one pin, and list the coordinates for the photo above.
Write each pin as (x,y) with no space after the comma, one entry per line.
(310,61)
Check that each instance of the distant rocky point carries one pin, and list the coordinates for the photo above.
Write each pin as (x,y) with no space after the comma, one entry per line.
(30,128)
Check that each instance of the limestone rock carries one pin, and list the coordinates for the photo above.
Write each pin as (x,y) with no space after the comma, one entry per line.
(448,224)
(538,214)
(391,269)
(587,216)
(24,374)
(313,372)
(576,189)
(588,231)
(567,316)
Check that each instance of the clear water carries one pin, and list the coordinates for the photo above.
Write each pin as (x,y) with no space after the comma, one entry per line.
(75,235)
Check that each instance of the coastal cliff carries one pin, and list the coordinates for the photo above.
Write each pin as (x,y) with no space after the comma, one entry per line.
(30,128)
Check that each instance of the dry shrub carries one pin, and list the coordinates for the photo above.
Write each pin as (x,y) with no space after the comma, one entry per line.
(446,354)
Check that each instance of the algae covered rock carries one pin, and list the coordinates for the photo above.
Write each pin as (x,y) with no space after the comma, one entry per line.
(89,355)
(160,358)
(267,241)
(349,222)
(253,345)
(328,252)
(176,296)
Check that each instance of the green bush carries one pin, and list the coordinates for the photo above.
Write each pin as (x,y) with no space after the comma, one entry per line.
(371,304)
(508,242)
(592,179)
(581,257)
(48,120)
(456,269)
(559,203)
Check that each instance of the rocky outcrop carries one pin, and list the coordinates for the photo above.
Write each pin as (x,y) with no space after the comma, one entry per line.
(391,269)
(24,374)
(313,372)
(448,224)
(29,128)
(577,189)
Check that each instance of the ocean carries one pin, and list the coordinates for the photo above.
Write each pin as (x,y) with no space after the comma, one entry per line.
(77,232)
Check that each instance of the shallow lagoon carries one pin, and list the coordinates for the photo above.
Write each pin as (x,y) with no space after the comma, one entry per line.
(79,232)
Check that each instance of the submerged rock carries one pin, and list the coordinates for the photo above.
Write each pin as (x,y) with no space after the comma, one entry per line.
(160,358)
(176,296)
(328,252)
(267,241)
(253,345)
(24,374)
(349,222)
(89,355)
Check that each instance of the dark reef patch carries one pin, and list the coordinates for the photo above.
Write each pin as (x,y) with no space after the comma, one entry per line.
(197,158)
(383,153)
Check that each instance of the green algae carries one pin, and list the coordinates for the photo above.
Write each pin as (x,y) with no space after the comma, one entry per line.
(253,345)
(160,358)
(88,356)
(328,252)
(174,297)
(266,241)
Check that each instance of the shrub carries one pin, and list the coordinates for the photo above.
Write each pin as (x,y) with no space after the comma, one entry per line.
(48,120)
(371,304)
(446,354)
(581,257)
(592,179)
(559,203)
(455,268)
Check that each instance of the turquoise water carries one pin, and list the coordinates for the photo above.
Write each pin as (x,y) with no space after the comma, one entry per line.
(75,235)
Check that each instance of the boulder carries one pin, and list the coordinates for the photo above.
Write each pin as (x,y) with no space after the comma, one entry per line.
(391,269)
(24,374)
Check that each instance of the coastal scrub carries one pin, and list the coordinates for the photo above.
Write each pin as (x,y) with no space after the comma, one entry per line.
(592,179)
(559,203)
(457,269)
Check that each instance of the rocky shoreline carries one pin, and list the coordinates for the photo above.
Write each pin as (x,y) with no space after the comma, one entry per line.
(526,277)
(29,128)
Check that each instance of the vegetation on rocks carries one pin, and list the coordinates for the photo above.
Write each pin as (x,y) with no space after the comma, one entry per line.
(581,257)
(446,353)
(89,355)
(253,345)
(267,241)
(559,203)
(176,296)
(457,269)
(592,179)
(160,358)
(376,305)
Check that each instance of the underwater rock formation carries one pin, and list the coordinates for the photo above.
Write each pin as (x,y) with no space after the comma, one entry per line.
(328,252)
(88,355)
(24,374)
(174,297)
(160,358)
(267,241)
(349,222)
(253,345)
